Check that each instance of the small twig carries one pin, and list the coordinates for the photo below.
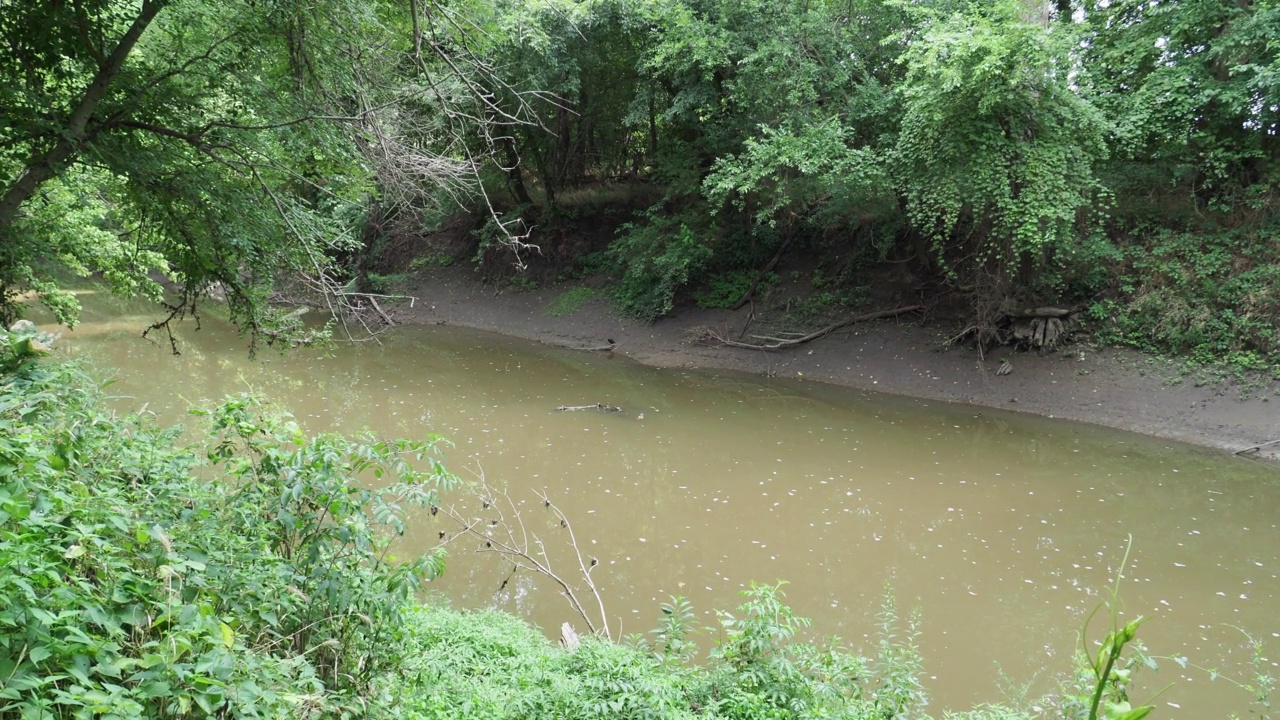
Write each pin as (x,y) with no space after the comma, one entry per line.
(510,538)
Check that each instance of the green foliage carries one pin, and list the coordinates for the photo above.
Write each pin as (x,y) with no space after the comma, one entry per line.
(995,152)
(381,283)
(819,305)
(593,264)
(792,171)
(437,258)
(724,289)
(1106,676)
(1212,296)
(22,345)
(660,259)
(569,301)
(69,232)
(1019,151)
(671,639)
(173,138)
(131,588)
(1186,83)
(491,665)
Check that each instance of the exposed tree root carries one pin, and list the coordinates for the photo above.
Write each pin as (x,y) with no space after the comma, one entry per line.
(707,334)
(1043,328)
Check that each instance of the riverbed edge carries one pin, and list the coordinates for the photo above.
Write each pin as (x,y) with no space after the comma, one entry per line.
(1111,387)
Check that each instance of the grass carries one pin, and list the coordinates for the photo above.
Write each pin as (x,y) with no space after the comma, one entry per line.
(570,301)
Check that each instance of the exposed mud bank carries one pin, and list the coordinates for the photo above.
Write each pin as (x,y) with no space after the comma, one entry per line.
(1111,387)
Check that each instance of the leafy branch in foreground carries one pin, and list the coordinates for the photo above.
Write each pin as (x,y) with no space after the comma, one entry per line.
(1107,674)
(136,583)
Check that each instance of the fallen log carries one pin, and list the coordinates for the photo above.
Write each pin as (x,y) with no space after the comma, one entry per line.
(776,343)
(1042,312)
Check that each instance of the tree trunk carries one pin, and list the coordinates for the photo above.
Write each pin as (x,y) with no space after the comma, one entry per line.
(514,177)
(41,167)
(417,34)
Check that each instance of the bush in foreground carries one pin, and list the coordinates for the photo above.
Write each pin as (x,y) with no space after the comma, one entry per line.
(130,588)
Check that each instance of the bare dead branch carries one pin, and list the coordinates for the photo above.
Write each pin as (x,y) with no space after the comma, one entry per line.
(505,533)
(1256,448)
(707,334)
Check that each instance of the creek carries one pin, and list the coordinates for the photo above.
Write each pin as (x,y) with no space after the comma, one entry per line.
(1004,530)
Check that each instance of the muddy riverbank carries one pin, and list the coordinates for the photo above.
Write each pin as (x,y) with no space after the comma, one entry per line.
(1104,386)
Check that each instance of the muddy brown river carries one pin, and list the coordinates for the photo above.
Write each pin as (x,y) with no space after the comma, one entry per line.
(1004,530)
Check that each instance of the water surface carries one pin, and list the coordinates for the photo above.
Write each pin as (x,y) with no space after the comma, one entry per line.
(1004,530)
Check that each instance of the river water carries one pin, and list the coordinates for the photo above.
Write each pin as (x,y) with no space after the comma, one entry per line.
(1004,530)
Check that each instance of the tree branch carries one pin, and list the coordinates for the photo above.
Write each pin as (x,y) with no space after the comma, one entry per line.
(41,168)
(508,537)
(707,334)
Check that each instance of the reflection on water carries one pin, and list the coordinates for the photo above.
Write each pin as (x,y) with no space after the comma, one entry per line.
(1004,529)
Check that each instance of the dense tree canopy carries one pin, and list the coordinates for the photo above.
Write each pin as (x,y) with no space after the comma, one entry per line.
(1017,151)
(213,142)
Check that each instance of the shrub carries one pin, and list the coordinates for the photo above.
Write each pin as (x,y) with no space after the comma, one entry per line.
(725,289)
(1214,297)
(132,589)
(659,260)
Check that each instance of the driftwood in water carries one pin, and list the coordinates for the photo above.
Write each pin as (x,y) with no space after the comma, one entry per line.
(775,343)
(597,406)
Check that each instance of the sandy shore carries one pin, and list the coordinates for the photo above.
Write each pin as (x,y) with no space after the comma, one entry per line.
(1111,387)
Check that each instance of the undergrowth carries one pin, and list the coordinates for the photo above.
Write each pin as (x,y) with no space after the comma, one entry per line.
(1211,298)
(131,589)
(570,301)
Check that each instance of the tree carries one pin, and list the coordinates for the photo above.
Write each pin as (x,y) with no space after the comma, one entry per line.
(208,141)
(1193,87)
(224,142)
(996,152)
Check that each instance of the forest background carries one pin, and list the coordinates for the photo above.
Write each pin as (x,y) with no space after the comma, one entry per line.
(1116,159)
